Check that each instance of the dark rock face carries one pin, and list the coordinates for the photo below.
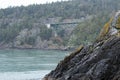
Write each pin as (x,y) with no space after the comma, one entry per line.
(100,61)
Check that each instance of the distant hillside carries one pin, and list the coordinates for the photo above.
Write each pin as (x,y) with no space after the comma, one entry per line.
(24,27)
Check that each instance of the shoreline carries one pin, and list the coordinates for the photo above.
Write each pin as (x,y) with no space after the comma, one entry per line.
(8,48)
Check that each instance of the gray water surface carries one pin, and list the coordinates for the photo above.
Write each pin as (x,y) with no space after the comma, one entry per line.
(28,64)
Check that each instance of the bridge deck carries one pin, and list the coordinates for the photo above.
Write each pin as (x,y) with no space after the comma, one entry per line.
(64,23)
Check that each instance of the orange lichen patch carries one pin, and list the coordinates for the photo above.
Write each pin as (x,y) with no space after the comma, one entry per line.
(118,34)
(79,48)
(105,30)
(118,23)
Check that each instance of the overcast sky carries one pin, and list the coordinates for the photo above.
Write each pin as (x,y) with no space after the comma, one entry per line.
(8,3)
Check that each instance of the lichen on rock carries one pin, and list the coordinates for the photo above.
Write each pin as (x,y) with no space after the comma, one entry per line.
(112,27)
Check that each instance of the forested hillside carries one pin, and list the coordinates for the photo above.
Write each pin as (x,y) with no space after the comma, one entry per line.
(25,27)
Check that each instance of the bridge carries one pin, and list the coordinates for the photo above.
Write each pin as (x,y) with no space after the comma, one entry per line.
(55,26)
(49,25)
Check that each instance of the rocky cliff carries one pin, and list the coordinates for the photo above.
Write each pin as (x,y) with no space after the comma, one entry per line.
(99,61)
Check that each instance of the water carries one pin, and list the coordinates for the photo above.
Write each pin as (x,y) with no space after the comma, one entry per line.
(28,64)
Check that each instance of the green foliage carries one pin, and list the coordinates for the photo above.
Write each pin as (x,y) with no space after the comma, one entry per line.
(8,34)
(68,9)
(61,32)
(45,33)
(30,40)
(87,31)
(14,20)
